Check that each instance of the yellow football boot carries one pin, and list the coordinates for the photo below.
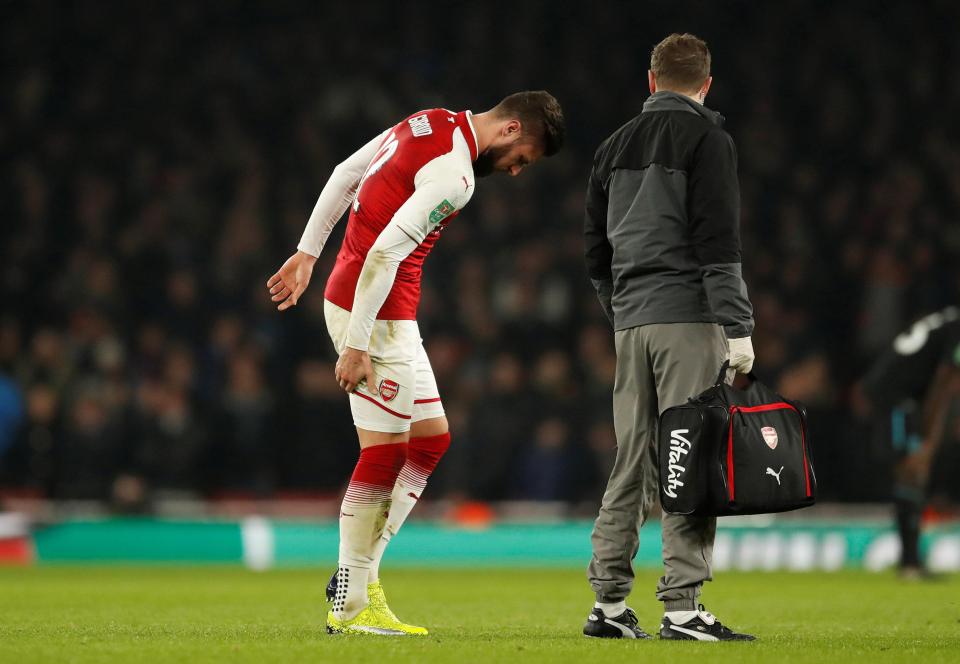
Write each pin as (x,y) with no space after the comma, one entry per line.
(378,605)
(365,622)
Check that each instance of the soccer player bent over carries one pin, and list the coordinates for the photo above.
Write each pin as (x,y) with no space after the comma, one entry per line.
(404,187)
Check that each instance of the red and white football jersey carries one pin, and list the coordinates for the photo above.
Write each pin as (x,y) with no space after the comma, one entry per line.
(430,151)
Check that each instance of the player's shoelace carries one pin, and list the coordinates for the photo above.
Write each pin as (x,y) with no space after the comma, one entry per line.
(705,615)
(710,619)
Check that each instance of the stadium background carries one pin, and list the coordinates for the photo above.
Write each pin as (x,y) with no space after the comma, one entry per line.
(160,161)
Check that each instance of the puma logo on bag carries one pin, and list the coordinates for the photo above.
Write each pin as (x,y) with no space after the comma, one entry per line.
(676,453)
(775,473)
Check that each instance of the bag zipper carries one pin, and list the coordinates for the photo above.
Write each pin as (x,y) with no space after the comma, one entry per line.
(780,405)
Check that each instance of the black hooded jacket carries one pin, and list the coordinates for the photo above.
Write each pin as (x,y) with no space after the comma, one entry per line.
(662,225)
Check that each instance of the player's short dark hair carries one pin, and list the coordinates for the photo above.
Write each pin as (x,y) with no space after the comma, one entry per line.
(540,115)
(680,62)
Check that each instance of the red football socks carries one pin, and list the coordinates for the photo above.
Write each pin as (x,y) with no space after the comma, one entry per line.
(423,455)
(376,473)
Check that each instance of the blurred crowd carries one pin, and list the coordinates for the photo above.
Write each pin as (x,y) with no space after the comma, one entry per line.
(159,163)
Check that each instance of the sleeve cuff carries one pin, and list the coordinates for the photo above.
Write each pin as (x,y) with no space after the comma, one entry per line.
(308,249)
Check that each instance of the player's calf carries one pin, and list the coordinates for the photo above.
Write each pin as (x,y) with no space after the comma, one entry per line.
(423,455)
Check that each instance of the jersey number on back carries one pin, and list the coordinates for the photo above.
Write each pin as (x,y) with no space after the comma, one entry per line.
(383,155)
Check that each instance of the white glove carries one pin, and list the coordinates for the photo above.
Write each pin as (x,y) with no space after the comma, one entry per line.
(740,355)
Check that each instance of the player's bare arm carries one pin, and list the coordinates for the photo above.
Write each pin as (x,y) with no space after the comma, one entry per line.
(914,470)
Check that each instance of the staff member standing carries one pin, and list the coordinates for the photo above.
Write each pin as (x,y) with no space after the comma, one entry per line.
(663,251)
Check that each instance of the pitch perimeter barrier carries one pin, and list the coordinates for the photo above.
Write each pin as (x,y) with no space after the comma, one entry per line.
(260,543)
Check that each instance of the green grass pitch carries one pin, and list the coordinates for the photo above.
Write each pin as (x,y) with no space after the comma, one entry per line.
(197,614)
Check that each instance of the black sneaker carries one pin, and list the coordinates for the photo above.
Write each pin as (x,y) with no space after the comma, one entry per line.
(623,626)
(702,627)
(332,587)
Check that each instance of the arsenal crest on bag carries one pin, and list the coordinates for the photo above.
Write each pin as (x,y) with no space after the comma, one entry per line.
(729,451)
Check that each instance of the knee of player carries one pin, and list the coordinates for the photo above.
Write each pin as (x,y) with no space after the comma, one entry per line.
(434,426)
(426,451)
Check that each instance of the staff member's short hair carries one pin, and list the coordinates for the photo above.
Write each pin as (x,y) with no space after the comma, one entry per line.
(681,62)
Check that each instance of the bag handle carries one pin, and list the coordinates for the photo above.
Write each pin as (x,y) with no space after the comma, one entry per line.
(721,377)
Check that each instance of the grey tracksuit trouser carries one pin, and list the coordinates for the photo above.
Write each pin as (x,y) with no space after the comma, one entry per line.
(658,366)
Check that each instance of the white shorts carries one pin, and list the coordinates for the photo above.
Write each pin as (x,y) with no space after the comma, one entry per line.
(406,389)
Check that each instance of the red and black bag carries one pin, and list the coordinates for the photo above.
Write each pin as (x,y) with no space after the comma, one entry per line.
(730,451)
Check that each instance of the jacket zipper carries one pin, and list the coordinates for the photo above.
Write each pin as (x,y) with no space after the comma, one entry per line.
(780,405)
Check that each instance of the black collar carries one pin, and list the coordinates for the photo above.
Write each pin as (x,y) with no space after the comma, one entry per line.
(673,101)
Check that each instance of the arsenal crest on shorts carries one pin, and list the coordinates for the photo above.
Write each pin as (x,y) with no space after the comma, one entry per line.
(388,389)
(769,437)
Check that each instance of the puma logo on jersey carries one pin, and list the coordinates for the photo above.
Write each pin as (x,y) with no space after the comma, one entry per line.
(466,183)
(775,473)
(420,125)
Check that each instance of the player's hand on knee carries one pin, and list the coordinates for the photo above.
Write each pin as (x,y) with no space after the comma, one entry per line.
(291,280)
(353,367)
